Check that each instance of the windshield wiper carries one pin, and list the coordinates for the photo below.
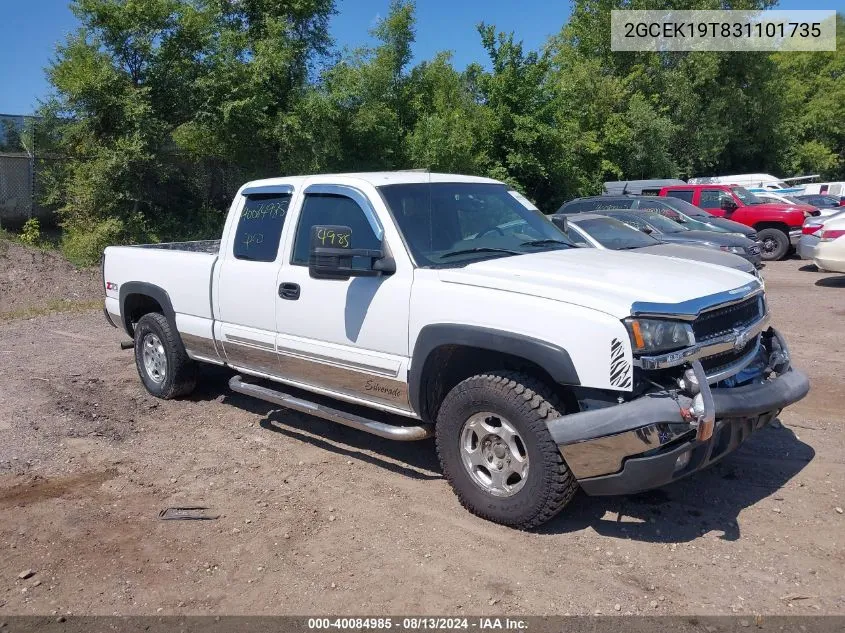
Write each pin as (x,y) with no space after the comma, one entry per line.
(480,249)
(545,242)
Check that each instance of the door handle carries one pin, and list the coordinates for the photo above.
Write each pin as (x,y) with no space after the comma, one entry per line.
(289,291)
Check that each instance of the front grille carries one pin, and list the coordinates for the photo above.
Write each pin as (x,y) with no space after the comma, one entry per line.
(753,237)
(722,321)
(718,362)
(754,250)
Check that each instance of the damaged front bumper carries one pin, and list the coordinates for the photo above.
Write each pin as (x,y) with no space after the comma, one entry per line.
(668,434)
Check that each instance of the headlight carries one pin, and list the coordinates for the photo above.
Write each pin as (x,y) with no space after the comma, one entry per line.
(655,335)
(738,250)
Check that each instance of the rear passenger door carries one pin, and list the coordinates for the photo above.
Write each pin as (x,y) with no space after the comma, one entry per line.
(246,288)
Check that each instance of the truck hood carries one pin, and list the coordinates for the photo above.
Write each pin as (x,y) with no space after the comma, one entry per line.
(707,255)
(608,281)
(711,238)
(789,213)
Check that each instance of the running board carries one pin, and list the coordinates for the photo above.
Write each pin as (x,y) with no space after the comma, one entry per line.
(389,431)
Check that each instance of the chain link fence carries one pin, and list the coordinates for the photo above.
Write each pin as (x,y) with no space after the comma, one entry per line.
(19,187)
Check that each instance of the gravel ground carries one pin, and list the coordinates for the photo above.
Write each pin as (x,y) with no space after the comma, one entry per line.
(316,518)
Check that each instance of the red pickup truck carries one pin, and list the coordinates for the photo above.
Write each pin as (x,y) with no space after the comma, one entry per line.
(778,225)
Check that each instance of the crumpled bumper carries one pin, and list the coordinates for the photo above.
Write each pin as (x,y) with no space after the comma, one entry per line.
(664,436)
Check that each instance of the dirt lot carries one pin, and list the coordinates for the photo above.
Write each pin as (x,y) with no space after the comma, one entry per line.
(317,518)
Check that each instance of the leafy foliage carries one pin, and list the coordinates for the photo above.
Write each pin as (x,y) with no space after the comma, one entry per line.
(31,232)
(162,108)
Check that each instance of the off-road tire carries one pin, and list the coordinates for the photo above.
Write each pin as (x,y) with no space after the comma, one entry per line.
(779,239)
(527,404)
(181,373)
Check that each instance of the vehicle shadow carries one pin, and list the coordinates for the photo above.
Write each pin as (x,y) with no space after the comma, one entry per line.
(416,460)
(710,500)
(832,282)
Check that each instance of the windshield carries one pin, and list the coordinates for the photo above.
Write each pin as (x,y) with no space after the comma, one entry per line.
(451,224)
(664,225)
(746,196)
(614,234)
(682,206)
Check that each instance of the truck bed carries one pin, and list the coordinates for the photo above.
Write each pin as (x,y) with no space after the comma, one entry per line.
(183,270)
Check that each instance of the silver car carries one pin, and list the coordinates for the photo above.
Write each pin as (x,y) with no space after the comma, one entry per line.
(811,232)
(590,230)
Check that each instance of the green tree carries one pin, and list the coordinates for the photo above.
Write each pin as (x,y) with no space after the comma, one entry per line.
(811,128)
(453,131)
(162,107)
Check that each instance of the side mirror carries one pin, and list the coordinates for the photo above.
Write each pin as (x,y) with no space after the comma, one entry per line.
(727,205)
(647,230)
(330,255)
(560,222)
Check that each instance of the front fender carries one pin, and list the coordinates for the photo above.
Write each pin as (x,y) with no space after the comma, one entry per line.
(552,358)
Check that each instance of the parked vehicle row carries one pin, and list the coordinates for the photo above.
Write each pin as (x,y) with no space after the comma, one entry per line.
(775,215)
(591,230)
(411,305)
(662,218)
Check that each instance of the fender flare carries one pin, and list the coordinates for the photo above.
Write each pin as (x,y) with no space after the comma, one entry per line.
(552,358)
(149,290)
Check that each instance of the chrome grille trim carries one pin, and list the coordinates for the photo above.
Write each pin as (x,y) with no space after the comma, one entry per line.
(727,318)
(702,350)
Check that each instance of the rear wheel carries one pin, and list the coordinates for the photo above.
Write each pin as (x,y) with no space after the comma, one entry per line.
(163,364)
(496,451)
(775,244)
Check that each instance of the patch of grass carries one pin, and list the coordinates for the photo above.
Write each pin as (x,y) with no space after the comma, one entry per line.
(54,307)
(46,240)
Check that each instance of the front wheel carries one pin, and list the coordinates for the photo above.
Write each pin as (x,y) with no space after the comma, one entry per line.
(775,244)
(163,364)
(496,451)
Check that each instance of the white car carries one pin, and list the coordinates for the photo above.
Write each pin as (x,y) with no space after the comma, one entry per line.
(395,303)
(811,232)
(829,253)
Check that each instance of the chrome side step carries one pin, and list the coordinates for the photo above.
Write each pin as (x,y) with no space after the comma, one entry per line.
(389,431)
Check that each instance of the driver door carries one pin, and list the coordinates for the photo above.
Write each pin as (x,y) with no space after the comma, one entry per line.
(347,338)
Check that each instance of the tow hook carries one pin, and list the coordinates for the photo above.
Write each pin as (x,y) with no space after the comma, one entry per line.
(703,408)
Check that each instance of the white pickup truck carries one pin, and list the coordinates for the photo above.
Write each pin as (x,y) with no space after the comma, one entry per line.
(409,304)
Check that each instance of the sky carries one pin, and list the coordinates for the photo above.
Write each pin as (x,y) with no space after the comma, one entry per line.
(30,29)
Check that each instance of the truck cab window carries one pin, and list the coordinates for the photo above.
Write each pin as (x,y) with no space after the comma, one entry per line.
(260,227)
(710,198)
(686,196)
(322,208)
